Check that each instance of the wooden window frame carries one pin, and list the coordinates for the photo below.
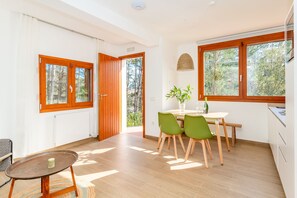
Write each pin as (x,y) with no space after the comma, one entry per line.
(242,46)
(71,97)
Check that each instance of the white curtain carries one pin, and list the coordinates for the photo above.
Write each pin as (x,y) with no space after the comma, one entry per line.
(25,62)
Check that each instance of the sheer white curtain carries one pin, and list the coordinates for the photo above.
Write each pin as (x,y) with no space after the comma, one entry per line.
(26,67)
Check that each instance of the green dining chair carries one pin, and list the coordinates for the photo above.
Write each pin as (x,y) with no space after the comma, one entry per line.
(169,128)
(196,128)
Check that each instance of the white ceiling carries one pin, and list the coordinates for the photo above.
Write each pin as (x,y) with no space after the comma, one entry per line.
(194,20)
(181,21)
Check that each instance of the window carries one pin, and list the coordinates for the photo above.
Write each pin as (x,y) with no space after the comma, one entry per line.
(64,84)
(250,69)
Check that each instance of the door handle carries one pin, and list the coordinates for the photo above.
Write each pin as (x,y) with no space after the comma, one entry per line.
(102,95)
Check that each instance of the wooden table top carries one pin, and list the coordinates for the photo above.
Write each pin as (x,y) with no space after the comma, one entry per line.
(36,166)
(210,115)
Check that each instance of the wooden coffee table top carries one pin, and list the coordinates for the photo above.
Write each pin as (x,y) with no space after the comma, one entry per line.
(35,166)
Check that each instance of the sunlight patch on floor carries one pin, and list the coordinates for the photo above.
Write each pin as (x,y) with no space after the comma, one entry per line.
(175,161)
(169,157)
(90,177)
(137,148)
(84,162)
(186,166)
(155,153)
(96,151)
(148,151)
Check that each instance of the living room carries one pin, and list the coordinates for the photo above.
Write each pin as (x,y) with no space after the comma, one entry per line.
(79,31)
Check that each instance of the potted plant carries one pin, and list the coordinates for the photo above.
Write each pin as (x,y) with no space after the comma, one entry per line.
(181,95)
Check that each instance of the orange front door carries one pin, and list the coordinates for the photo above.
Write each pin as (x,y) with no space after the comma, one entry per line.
(109,97)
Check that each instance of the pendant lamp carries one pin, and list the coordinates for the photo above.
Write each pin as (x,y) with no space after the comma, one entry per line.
(185,62)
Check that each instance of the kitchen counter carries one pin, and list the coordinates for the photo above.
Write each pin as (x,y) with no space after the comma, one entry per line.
(280,113)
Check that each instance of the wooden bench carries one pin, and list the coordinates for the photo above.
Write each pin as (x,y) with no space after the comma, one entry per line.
(233,126)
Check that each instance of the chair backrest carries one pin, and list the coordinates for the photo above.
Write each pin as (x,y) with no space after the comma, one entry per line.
(168,124)
(196,127)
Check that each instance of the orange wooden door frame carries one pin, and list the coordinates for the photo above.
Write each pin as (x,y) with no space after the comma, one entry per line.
(142,54)
(109,96)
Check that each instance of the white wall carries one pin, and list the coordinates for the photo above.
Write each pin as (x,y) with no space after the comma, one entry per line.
(8,78)
(160,76)
(21,121)
(32,131)
(252,116)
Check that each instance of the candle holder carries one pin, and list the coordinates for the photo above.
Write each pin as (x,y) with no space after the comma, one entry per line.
(51,163)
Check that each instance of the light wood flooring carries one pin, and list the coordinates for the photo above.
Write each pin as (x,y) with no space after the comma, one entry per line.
(129,166)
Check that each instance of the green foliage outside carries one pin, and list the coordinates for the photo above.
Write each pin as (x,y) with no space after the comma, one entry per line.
(57,84)
(221,72)
(265,70)
(134,119)
(134,92)
(82,78)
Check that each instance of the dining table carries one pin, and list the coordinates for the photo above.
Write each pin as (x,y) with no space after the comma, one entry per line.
(216,117)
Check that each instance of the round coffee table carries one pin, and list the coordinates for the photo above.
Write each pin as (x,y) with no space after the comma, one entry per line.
(36,166)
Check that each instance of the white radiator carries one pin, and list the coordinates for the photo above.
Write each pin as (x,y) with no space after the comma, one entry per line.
(71,127)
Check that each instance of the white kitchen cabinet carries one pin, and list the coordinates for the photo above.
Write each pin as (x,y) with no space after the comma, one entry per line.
(280,144)
(272,135)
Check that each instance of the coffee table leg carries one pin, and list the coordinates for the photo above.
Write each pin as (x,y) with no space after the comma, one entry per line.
(11,188)
(45,186)
(73,179)
(41,185)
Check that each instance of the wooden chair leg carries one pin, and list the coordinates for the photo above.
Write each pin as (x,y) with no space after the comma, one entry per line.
(235,140)
(208,148)
(160,139)
(181,142)
(189,149)
(204,153)
(174,143)
(168,146)
(233,136)
(162,144)
(193,147)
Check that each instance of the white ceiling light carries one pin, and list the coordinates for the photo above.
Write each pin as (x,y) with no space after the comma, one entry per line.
(138,4)
(211,3)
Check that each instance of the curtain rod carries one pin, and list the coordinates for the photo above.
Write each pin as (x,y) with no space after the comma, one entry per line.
(70,30)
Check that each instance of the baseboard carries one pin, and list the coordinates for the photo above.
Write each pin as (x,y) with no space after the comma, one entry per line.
(73,144)
(63,147)
(262,144)
(151,137)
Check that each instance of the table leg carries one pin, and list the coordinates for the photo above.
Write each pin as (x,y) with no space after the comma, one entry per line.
(41,185)
(73,180)
(226,134)
(45,186)
(11,188)
(219,141)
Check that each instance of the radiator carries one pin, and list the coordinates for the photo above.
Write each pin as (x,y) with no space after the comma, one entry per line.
(71,127)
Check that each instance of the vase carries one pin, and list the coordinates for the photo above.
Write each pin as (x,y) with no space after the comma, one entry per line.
(182,106)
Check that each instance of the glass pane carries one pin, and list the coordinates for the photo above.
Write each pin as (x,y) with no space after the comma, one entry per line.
(266,69)
(82,84)
(56,84)
(221,69)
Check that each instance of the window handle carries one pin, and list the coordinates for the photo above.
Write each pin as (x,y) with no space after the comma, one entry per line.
(71,89)
(240,78)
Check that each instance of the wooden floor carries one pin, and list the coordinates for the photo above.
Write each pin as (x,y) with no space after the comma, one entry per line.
(129,166)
